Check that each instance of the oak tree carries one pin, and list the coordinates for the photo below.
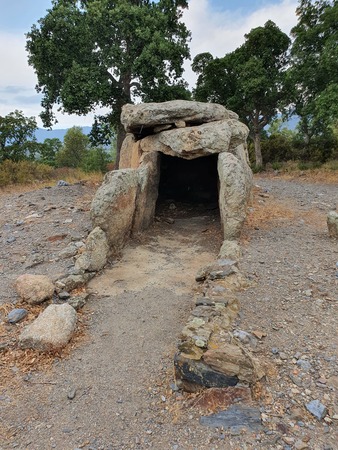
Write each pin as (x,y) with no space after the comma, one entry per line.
(250,80)
(106,53)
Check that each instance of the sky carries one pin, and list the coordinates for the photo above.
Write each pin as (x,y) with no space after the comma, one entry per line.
(217,27)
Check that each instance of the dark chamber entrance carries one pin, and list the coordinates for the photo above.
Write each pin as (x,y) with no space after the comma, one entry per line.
(190,181)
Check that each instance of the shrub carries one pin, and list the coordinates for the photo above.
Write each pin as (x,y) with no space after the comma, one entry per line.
(23,172)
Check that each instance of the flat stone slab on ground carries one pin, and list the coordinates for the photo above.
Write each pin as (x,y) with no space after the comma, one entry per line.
(234,419)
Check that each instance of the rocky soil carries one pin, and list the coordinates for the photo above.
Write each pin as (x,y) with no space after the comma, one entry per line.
(115,389)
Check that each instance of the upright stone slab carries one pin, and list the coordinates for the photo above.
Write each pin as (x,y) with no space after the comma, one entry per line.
(332,223)
(233,194)
(148,180)
(113,206)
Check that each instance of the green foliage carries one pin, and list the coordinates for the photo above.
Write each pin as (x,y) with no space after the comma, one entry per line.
(17,140)
(251,80)
(74,150)
(96,160)
(314,70)
(48,151)
(92,53)
(22,172)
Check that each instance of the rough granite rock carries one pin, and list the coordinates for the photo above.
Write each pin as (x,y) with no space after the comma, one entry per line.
(34,289)
(94,258)
(147,193)
(146,115)
(230,250)
(191,142)
(233,195)
(332,223)
(113,206)
(52,330)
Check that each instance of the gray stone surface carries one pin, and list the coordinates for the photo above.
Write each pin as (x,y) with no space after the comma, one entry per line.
(113,206)
(191,142)
(136,117)
(230,250)
(332,223)
(34,289)
(147,193)
(235,418)
(16,315)
(233,195)
(317,409)
(52,329)
(94,258)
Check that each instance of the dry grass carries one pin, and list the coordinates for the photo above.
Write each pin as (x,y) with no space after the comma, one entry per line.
(70,175)
(327,174)
(16,362)
(265,212)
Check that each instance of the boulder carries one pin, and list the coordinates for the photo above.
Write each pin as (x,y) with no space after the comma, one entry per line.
(52,330)
(235,189)
(190,142)
(113,206)
(135,118)
(94,258)
(34,289)
(332,223)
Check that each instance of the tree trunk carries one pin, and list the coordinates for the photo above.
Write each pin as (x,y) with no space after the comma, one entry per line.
(125,81)
(121,134)
(258,150)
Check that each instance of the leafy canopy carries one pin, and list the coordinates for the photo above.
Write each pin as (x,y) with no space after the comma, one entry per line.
(250,80)
(17,137)
(314,70)
(105,53)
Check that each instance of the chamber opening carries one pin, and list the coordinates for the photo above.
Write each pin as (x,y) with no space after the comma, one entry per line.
(191,181)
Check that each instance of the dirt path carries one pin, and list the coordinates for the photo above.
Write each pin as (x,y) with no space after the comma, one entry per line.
(113,391)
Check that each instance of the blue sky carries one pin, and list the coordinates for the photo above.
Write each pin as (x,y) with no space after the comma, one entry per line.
(217,26)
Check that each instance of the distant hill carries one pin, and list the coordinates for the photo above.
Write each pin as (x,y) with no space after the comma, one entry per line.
(41,133)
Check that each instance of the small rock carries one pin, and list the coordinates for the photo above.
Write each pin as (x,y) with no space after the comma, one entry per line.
(300,445)
(64,295)
(78,301)
(308,293)
(245,337)
(283,356)
(16,315)
(69,251)
(169,220)
(259,334)
(288,440)
(317,409)
(71,394)
(10,240)
(304,364)
(62,183)
(34,289)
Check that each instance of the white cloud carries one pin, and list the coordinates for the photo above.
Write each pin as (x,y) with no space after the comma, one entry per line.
(221,32)
(215,32)
(17,84)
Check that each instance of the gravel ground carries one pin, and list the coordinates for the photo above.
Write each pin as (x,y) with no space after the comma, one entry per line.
(113,390)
